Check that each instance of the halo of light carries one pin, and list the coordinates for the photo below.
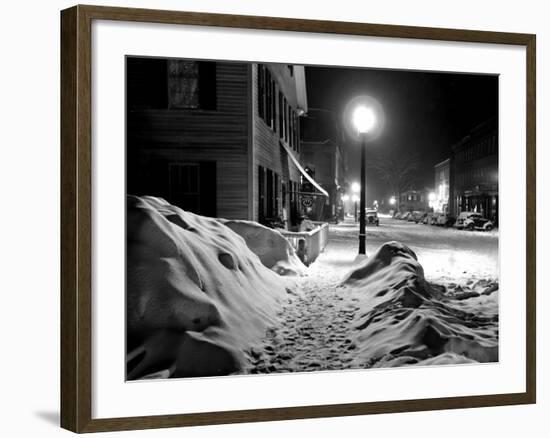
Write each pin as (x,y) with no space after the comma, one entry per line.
(364,112)
(355,187)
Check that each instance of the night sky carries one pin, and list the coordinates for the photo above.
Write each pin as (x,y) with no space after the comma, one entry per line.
(424,112)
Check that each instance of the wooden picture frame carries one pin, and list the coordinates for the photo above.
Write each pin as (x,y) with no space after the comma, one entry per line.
(76,218)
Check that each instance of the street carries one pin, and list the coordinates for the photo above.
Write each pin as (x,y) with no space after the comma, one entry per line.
(444,253)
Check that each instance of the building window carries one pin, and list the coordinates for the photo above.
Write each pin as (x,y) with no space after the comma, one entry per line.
(191,84)
(295,130)
(261,91)
(192,186)
(268,194)
(276,189)
(267,97)
(281,116)
(290,128)
(273,105)
(285,109)
(261,194)
(146,83)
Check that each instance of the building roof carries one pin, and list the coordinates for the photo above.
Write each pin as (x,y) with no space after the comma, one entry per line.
(443,163)
(480,130)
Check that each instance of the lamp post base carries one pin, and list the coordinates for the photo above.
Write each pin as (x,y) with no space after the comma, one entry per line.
(362,244)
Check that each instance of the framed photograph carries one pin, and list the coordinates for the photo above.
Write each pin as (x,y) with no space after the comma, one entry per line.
(268,219)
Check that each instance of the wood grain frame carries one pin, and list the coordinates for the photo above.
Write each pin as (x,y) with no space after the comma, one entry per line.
(76,238)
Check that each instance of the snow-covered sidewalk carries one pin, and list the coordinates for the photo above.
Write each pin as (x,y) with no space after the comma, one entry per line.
(208,296)
(325,323)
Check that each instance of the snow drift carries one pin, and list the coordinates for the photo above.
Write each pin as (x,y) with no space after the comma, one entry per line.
(273,249)
(404,320)
(197,297)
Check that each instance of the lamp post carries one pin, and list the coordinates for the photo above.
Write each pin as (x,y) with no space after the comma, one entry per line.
(355,200)
(355,188)
(364,120)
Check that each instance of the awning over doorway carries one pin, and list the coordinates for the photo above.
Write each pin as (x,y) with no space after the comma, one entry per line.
(302,170)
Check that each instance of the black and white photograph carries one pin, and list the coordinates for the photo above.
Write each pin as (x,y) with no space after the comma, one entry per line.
(290,218)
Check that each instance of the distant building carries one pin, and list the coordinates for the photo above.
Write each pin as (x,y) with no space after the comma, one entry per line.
(216,138)
(323,155)
(474,172)
(414,200)
(442,185)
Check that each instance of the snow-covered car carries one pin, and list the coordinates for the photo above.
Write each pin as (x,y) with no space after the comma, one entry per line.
(444,220)
(416,216)
(427,219)
(471,220)
(371,217)
(405,216)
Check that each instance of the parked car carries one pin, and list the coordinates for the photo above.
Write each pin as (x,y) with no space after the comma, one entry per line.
(444,220)
(371,217)
(416,216)
(397,215)
(405,216)
(471,220)
(427,219)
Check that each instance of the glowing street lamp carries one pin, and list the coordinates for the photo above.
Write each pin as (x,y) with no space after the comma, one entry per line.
(364,120)
(392,200)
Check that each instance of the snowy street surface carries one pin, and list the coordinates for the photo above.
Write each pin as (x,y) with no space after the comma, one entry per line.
(322,324)
(444,253)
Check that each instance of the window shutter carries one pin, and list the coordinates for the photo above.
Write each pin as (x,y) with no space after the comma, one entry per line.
(207,85)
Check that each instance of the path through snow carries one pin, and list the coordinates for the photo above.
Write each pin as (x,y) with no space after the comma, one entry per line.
(316,321)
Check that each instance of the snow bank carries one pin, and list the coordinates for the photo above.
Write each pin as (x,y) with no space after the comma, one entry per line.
(404,320)
(197,298)
(273,249)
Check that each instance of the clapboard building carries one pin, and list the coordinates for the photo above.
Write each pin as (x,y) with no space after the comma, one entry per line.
(217,138)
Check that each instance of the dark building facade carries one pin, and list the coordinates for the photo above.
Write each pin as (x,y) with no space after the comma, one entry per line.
(474,172)
(323,156)
(216,138)
(325,163)
(414,200)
